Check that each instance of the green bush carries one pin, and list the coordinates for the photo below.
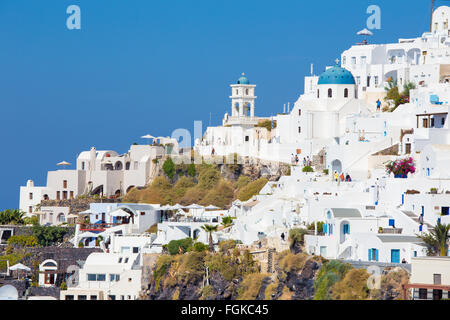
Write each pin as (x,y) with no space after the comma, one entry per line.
(326,171)
(191,170)
(175,245)
(308,169)
(243,181)
(23,241)
(251,189)
(200,247)
(169,168)
(47,236)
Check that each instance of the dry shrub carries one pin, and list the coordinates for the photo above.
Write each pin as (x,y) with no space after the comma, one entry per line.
(252,189)
(290,262)
(250,286)
(352,287)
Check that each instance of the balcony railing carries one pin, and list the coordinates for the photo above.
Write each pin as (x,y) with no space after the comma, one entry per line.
(98,226)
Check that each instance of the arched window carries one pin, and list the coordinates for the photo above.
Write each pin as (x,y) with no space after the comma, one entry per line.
(61,218)
(330,93)
(345,93)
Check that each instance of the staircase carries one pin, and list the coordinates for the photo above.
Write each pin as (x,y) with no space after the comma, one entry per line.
(270,261)
(414,217)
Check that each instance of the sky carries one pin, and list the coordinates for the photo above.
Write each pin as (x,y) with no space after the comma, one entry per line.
(144,66)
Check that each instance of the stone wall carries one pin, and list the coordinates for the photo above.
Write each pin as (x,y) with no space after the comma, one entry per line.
(76,205)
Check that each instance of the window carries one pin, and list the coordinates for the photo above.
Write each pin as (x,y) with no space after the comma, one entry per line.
(237,91)
(114,277)
(318,93)
(69,297)
(442,121)
(120,260)
(82,165)
(101,277)
(346,228)
(432,123)
(445,211)
(353,60)
(376,80)
(58,195)
(126,260)
(92,277)
(82,297)
(345,93)
(247,138)
(30,209)
(373,254)
(31,195)
(437,278)
(93,297)
(65,184)
(122,297)
(423,294)
(111,297)
(299,112)
(358,80)
(64,195)
(330,93)
(142,213)
(49,278)
(71,194)
(246,91)
(299,129)
(135,249)
(363,59)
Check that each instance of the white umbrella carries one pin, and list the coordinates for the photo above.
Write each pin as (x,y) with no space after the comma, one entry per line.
(177,207)
(63,163)
(119,213)
(19,266)
(70,216)
(194,206)
(365,32)
(147,136)
(167,207)
(211,207)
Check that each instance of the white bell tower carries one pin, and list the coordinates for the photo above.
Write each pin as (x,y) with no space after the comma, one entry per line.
(242,103)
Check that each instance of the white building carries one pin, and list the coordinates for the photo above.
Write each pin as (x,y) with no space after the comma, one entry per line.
(102,173)
(116,275)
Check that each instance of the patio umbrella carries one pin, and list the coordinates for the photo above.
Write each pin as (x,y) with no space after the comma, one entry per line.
(119,213)
(63,163)
(70,216)
(211,207)
(19,266)
(177,207)
(147,136)
(194,206)
(86,212)
(365,32)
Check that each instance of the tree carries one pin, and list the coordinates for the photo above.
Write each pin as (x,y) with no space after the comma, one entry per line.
(436,239)
(169,168)
(227,221)
(191,170)
(296,239)
(210,229)
(12,216)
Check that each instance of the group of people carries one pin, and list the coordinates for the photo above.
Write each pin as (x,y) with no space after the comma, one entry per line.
(295,160)
(341,177)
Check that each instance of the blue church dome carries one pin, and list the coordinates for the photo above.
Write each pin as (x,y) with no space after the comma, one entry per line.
(243,79)
(336,75)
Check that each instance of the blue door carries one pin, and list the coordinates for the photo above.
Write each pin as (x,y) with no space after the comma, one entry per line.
(395,256)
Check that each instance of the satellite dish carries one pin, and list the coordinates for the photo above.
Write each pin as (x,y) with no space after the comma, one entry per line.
(8,292)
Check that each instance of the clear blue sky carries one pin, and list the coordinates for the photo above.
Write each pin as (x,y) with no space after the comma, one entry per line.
(145,66)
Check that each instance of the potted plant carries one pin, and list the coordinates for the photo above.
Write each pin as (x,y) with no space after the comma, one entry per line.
(433,190)
(380,230)
(401,167)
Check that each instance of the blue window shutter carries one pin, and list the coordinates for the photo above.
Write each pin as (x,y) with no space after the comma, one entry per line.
(348,229)
(324,228)
(370,255)
(331,229)
(376,255)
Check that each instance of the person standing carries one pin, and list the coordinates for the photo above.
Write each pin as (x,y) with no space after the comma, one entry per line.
(378,105)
